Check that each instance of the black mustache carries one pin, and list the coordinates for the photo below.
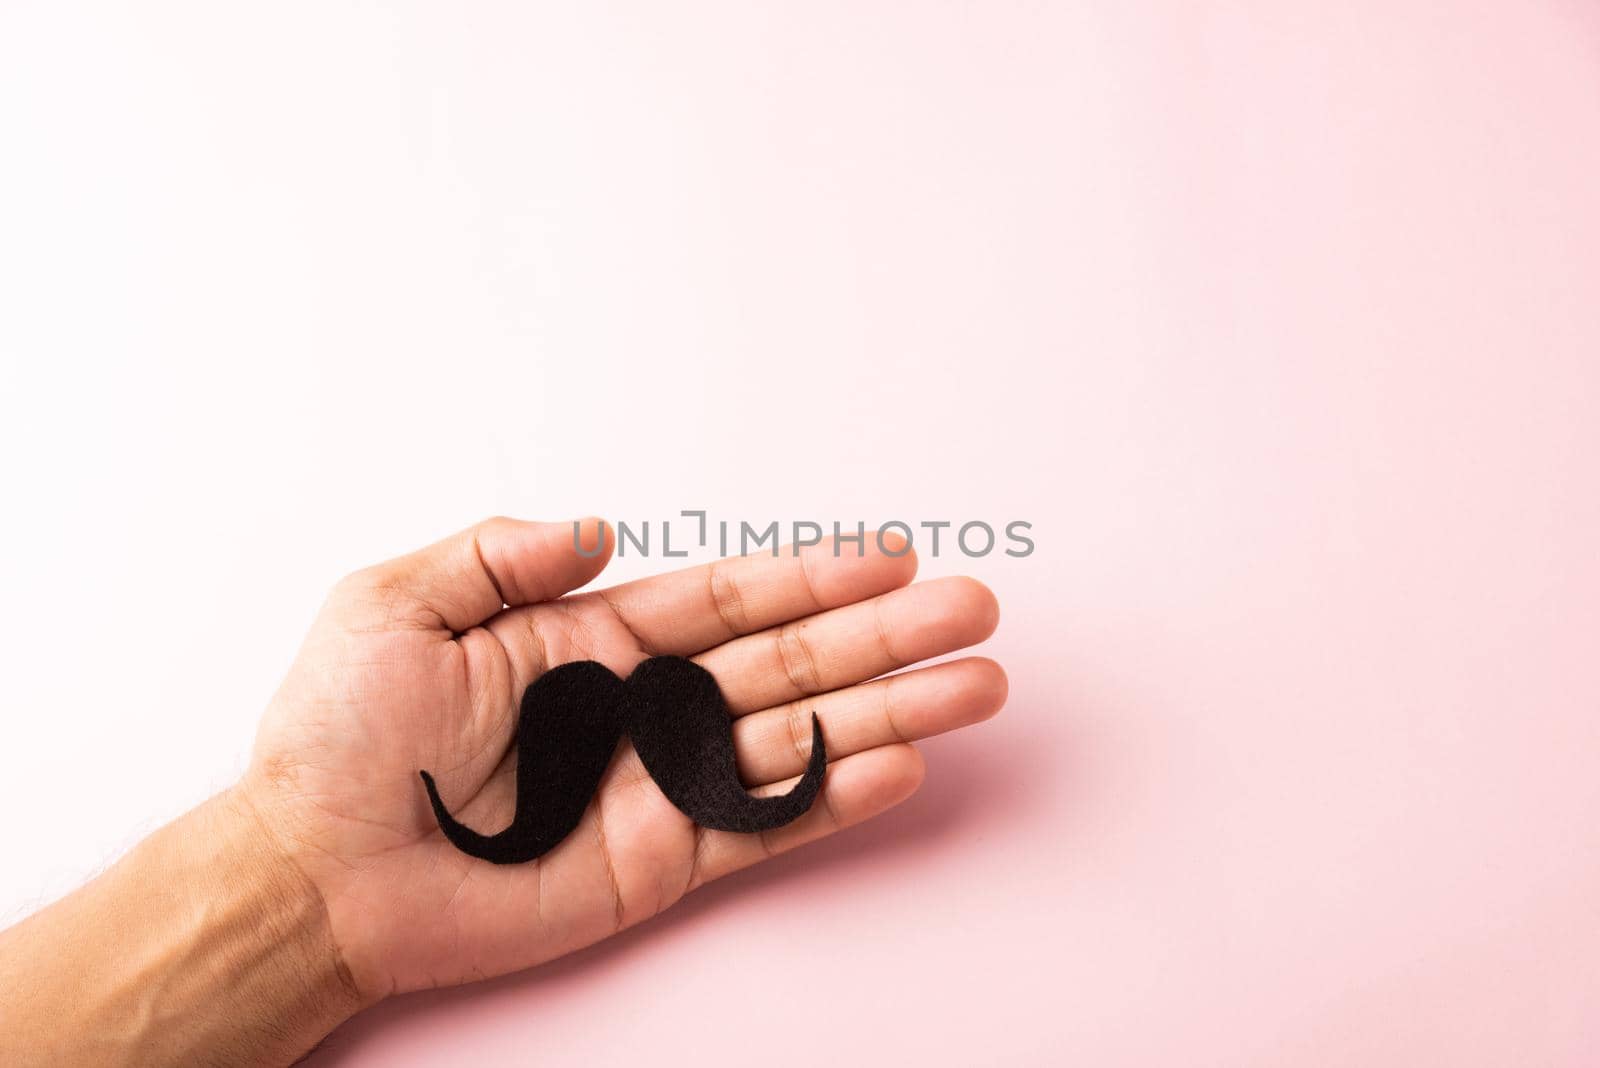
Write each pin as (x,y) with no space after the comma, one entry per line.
(572,718)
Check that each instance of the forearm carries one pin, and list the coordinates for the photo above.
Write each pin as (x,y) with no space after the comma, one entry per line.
(201,946)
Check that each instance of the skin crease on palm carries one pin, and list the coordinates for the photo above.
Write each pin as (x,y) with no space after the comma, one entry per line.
(421,663)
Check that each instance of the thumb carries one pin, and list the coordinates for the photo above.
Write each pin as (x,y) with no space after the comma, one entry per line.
(459,582)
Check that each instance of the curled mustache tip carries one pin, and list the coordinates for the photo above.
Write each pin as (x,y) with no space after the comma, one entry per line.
(785,808)
(734,809)
(683,734)
(502,848)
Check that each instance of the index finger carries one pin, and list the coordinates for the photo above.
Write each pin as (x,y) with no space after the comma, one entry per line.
(689,611)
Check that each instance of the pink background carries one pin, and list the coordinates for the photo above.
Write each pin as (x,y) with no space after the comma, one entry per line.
(1281,323)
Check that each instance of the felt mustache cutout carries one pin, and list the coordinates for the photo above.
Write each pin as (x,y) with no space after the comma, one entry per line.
(572,718)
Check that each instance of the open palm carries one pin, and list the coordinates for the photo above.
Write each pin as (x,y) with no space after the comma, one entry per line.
(421,663)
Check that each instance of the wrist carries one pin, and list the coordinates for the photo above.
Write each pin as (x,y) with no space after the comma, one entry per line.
(266,927)
(203,944)
(253,931)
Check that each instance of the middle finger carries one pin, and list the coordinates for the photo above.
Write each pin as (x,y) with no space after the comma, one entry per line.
(848,645)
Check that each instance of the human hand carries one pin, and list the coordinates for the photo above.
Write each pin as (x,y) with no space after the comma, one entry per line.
(421,663)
